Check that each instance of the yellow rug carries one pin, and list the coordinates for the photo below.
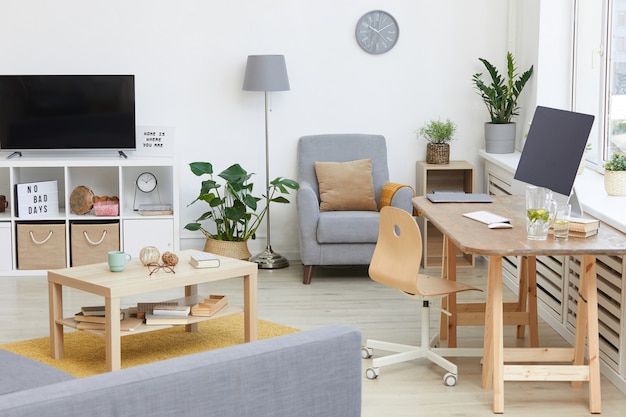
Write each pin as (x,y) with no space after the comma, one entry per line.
(85,356)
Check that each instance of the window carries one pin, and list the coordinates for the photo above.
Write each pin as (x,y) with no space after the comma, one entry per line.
(600,74)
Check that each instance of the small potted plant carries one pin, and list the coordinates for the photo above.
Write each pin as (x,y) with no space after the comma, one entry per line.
(232,208)
(438,133)
(500,95)
(615,175)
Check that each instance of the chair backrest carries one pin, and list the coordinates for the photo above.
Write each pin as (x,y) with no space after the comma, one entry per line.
(398,252)
(342,148)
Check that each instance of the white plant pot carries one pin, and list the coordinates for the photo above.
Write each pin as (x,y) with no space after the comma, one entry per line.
(615,182)
(500,138)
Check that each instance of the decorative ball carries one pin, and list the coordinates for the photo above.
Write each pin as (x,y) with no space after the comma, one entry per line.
(149,254)
(170,259)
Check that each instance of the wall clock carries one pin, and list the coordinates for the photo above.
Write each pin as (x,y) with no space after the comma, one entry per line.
(377,32)
(146,182)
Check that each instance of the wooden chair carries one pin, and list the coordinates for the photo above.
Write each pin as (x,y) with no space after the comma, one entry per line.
(396,263)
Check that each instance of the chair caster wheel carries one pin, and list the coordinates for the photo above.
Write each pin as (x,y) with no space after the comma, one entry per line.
(366,353)
(371,373)
(449,379)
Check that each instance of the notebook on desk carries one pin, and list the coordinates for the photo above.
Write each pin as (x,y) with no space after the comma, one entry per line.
(454,197)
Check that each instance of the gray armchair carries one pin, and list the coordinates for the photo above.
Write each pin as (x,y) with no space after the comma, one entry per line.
(340,237)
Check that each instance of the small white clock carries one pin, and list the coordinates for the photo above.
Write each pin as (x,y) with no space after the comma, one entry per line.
(146,182)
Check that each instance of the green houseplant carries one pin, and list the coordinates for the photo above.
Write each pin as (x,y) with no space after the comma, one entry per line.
(615,175)
(232,207)
(438,133)
(500,95)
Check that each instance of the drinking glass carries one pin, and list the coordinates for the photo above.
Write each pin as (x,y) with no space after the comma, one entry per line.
(561,222)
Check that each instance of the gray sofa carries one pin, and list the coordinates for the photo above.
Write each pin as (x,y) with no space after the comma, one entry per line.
(311,373)
(340,237)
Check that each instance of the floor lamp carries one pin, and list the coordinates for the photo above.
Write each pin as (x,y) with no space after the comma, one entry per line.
(267,73)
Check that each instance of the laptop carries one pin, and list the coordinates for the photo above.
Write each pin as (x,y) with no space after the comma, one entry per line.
(455,197)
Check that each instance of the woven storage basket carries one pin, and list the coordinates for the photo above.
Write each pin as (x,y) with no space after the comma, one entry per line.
(237,250)
(615,182)
(41,246)
(437,153)
(91,242)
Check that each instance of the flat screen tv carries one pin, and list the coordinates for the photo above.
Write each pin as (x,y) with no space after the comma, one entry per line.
(58,112)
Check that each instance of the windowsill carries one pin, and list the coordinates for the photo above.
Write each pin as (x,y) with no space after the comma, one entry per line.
(589,189)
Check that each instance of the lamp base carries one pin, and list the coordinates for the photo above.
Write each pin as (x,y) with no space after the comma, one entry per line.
(268,259)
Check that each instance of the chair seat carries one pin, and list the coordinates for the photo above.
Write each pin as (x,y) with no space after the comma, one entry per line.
(348,227)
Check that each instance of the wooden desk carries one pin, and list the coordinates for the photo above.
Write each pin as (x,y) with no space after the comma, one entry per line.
(474,237)
(136,279)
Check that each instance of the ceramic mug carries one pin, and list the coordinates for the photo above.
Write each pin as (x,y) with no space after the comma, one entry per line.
(3,203)
(118,260)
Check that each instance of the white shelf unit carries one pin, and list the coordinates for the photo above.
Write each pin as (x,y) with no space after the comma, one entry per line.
(557,288)
(105,176)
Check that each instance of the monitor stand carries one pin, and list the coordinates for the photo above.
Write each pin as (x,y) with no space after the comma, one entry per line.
(577,208)
(14,154)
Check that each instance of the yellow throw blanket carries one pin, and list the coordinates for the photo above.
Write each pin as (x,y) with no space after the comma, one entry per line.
(389,190)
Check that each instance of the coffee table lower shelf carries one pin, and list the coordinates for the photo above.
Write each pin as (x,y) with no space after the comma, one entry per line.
(226,311)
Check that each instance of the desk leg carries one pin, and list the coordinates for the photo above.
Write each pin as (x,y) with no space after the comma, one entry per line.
(113,338)
(250,307)
(493,366)
(527,299)
(451,303)
(55,305)
(190,291)
(587,326)
(443,318)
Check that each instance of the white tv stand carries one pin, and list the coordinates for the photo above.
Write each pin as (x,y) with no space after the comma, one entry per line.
(105,175)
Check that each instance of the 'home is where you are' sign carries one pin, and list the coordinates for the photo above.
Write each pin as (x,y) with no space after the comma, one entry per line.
(37,199)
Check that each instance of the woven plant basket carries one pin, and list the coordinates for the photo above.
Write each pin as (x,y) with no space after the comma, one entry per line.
(237,250)
(615,182)
(437,153)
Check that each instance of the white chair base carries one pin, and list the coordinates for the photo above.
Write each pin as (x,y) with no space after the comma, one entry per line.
(425,350)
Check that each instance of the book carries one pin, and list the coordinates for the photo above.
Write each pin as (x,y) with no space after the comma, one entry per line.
(155,209)
(174,311)
(93,318)
(581,224)
(204,260)
(152,320)
(578,234)
(92,311)
(127,325)
(574,233)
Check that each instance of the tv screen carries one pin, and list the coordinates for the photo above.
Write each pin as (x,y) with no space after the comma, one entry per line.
(67,112)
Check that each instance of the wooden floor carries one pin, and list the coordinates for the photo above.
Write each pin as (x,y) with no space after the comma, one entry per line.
(346,295)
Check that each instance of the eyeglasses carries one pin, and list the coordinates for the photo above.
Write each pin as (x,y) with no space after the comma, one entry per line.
(154,267)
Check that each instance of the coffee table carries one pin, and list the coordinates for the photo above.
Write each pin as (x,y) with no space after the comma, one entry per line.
(135,279)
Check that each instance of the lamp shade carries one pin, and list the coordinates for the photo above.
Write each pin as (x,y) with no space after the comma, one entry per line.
(266,73)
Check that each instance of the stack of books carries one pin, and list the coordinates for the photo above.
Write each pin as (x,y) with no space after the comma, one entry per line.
(582,227)
(93,318)
(167,315)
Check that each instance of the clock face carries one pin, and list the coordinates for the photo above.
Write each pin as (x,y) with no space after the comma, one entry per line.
(377,32)
(146,182)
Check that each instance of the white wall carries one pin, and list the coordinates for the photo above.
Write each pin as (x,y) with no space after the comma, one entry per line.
(189,58)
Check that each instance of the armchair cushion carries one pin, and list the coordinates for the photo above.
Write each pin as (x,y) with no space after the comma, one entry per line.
(346,185)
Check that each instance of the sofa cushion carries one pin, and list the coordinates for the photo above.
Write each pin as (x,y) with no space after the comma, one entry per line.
(348,227)
(20,373)
(346,185)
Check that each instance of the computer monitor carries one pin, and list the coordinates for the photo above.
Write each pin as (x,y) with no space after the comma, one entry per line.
(553,150)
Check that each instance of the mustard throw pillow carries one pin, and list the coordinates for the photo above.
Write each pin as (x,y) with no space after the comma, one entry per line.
(346,185)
